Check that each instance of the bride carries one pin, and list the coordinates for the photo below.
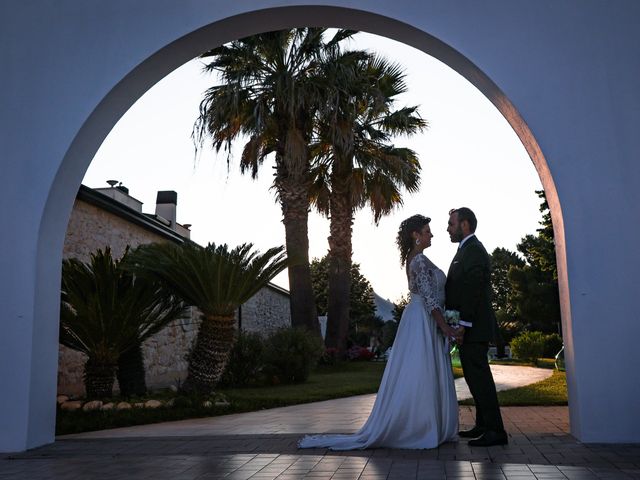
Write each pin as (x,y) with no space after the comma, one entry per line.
(416,405)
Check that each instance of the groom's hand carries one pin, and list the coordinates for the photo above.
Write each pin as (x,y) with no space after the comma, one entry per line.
(459,334)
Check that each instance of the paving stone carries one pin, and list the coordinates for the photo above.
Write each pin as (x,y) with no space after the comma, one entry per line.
(263,446)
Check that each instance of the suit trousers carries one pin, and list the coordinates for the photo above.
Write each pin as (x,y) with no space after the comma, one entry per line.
(477,374)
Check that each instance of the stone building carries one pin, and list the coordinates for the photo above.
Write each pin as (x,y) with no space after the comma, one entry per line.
(111,217)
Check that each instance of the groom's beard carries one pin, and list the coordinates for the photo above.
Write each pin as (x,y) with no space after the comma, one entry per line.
(457,236)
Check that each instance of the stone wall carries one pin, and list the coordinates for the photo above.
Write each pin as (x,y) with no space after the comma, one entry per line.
(92,227)
(266,311)
(165,353)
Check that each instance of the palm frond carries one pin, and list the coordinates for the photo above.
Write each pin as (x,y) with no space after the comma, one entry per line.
(213,278)
(404,121)
(105,310)
(319,191)
(269,89)
(356,126)
(341,35)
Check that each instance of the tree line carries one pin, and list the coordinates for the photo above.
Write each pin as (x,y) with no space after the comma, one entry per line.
(525,285)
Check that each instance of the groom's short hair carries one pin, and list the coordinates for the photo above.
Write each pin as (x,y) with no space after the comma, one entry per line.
(465,213)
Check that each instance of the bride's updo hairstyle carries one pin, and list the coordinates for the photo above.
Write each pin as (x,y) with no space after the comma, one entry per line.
(404,240)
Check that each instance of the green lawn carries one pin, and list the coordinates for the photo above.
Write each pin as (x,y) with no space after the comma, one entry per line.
(343,380)
(551,391)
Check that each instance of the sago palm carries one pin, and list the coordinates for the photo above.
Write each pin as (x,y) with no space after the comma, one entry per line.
(217,281)
(269,95)
(106,313)
(357,165)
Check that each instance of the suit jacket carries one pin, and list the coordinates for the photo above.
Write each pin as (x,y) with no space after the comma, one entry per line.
(468,290)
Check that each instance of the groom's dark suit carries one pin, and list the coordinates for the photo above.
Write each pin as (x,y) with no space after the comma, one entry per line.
(468,290)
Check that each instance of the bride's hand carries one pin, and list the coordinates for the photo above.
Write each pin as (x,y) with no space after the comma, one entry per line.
(448,332)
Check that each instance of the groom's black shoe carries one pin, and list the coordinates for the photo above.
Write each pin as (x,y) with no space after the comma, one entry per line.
(475,432)
(490,438)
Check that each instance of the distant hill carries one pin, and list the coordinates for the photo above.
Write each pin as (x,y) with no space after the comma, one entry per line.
(384,308)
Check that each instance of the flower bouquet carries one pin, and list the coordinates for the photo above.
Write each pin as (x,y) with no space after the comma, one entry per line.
(452,317)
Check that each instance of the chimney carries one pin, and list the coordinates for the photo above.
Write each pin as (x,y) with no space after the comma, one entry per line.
(166,203)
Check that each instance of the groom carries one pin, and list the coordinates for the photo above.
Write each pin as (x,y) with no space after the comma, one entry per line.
(468,290)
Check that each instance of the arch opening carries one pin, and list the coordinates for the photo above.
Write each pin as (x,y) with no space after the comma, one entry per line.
(169,57)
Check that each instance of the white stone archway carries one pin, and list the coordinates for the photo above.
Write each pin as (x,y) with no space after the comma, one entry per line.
(71,69)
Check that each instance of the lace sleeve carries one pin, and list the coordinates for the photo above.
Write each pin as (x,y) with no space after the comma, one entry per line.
(426,282)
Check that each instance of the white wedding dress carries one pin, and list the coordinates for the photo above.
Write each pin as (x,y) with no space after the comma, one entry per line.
(416,405)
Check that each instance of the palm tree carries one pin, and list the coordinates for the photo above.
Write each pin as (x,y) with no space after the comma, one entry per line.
(356,164)
(106,313)
(269,93)
(217,281)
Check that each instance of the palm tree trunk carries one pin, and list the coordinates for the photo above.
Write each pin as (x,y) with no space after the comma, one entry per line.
(294,199)
(339,276)
(98,379)
(131,374)
(209,356)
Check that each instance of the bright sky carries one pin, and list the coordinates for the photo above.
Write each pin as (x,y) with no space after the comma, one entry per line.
(470,157)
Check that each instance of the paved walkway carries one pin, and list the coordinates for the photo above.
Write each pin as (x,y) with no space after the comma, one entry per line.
(507,377)
(262,445)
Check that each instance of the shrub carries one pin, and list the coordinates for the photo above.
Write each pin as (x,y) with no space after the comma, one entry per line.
(291,354)
(182,401)
(246,360)
(552,345)
(528,345)
(359,353)
(329,357)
